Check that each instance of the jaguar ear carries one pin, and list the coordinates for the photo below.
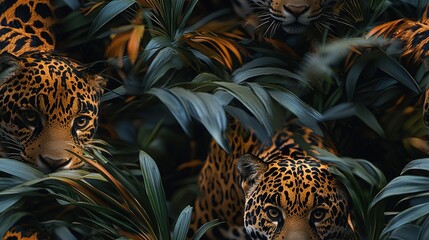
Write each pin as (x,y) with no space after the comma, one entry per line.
(98,82)
(10,66)
(250,168)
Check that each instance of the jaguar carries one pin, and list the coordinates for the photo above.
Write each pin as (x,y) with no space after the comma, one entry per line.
(279,190)
(291,17)
(49,103)
(414,36)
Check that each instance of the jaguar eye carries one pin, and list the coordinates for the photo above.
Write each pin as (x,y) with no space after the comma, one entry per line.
(318,215)
(30,117)
(273,213)
(81,122)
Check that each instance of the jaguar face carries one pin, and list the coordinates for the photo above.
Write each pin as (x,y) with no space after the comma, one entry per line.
(292,199)
(49,109)
(292,16)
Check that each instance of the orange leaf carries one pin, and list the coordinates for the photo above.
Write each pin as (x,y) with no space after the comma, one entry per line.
(134,42)
(116,47)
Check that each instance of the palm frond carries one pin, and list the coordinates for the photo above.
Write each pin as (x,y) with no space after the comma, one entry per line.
(412,188)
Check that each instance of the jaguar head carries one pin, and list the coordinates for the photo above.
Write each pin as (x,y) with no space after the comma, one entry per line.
(289,198)
(49,109)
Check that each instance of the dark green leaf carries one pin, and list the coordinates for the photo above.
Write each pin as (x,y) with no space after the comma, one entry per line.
(206,226)
(294,104)
(353,76)
(241,76)
(19,169)
(9,220)
(182,224)
(155,192)
(345,110)
(407,216)
(247,97)
(418,164)
(403,185)
(176,106)
(397,71)
(111,10)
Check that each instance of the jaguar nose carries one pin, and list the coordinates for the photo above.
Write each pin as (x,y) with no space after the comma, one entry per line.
(296,10)
(54,163)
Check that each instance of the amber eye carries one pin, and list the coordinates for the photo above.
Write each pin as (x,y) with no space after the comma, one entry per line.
(273,213)
(30,117)
(318,215)
(81,122)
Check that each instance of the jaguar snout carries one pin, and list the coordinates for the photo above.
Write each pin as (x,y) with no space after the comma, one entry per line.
(296,10)
(53,164)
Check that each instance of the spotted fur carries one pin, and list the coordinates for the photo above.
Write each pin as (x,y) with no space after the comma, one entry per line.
(414,36)
(49,103)
(279,191)
(25,233)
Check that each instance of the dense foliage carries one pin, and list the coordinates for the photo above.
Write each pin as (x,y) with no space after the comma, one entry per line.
(177,69)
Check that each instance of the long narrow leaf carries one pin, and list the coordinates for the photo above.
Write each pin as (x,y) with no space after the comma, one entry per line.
(206,226)
(397,71)
(108,12)
(407,216)
(403,185)
(19,169)
(155,192)
(182,224)
(247,97)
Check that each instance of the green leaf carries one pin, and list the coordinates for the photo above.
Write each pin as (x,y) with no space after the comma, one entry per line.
(418,164)
(294,104)
(397,71)
(368,118)
(7,201)
(19,169)
(175,105)
(407,231)
(9,220)
(345,110)
(182,225)
(206,226)
(186,15)
(252,102)
(73,4)
(111,10)
(155,192)
(202,106)
(353,75)
(407,216)
(249,122)
(403,185)
(166,60)
(241,76)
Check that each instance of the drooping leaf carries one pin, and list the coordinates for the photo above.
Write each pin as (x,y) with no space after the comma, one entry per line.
(407,216)
(418,164)
(247,97)
(403,185)
(347,109)
(175,105)
(398,72)
(206,226)
(19,169)
(111,10)
(294,104)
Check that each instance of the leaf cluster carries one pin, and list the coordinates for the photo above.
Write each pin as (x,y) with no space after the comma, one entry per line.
(109,203)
